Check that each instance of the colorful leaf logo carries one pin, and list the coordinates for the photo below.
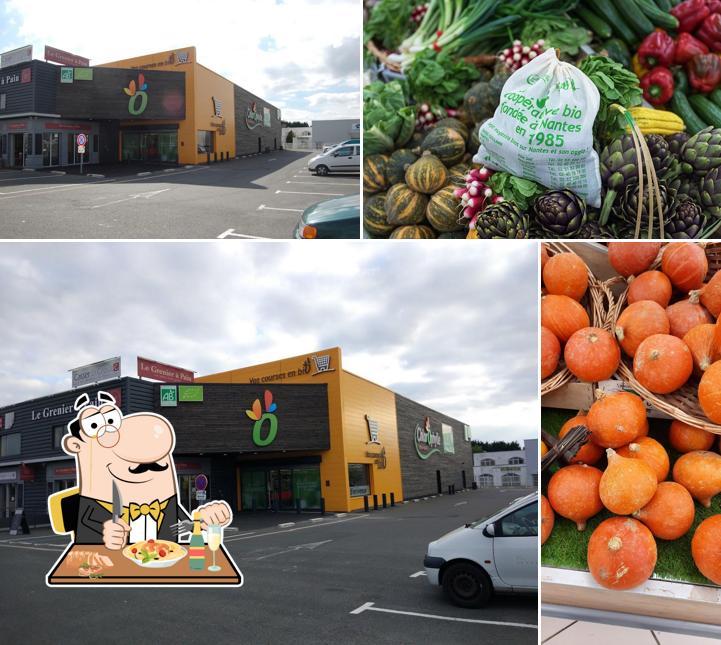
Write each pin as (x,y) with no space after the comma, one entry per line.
(256,412)
(132,88)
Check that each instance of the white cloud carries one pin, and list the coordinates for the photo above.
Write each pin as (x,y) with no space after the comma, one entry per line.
(227,35)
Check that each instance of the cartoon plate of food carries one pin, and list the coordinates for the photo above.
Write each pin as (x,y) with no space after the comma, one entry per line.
(155,554)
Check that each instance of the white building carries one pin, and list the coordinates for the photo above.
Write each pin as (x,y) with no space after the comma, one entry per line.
(508,467)
(331,131)
(302,138)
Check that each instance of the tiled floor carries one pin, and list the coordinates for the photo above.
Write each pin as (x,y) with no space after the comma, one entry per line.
(558,631)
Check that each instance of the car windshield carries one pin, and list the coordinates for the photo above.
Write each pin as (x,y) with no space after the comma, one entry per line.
(473,525)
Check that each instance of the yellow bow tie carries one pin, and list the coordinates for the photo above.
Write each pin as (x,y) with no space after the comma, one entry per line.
(136,510)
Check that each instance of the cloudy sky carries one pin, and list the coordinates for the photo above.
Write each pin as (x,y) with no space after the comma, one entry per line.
(301,55)
(452,326)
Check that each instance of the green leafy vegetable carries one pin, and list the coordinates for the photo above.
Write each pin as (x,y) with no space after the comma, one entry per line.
(515,189)
(616,85)
(558,32)
(388,120)
(389,23)
(439,80)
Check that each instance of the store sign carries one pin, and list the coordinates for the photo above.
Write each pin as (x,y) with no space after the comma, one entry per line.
(359,491)
(163,372)
(311,366)
(53,55)
(16,56)
(63,409)
(380,458)
(266,117)
(65,471)
(448,446)
(262,436)
(322,364)
(253,118)
(168,396)
(373,430)
(217,106)
(138,96)
(83,74)
(427,441)
(190,393)
(96,372)
(27,473)
(9,79)
(66,75)
(9,476)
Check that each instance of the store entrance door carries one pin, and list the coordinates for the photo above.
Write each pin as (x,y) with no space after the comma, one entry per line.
(186,492)
(19,144)
(9,500)
(281,489)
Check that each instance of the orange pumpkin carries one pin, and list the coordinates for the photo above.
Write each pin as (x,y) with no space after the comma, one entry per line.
(589,453)
(699,340)
(573,493)
(685,438)
(547,519)
(616,419)
(563,316)
(566,274)
(650,285)
(685,264)
(627,484)
(621,553)
(550,352)
(644,429)
(670,513)
(662,363)
(650,451)
(592,354)
(717,337)
(709,392)
(639,321)
(699,472)
(632,258)
(706,546)
(684,316)
(709,295)
(544,449)
(544,257)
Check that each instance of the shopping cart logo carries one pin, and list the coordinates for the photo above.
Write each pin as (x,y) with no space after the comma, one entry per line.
(373,430)
(322,364)
(217,106)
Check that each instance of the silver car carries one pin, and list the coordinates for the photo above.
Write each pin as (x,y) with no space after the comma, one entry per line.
(338,159)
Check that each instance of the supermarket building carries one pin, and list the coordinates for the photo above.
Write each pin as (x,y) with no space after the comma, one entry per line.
(163,107)
(280,436)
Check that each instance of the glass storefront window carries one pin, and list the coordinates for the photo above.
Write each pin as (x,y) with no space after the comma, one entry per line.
(51,148)
(359,480)
(150,146)
(306,487)
(254,490)
(205,142)
(10,445)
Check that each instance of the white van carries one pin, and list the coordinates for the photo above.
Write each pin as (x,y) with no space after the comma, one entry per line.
(498,553)
(341,158)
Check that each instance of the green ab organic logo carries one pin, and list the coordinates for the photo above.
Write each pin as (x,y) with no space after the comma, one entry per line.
(135,106)
(261,419)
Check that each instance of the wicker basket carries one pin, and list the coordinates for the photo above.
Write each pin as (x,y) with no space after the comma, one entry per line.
(683,403)
(598,301)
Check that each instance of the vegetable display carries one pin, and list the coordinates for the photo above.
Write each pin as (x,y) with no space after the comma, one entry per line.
(443,64)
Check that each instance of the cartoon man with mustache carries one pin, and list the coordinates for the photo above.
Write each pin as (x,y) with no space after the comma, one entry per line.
(135,452)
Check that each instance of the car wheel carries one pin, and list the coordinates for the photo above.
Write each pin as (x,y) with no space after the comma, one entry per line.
(321,170)
(467,585)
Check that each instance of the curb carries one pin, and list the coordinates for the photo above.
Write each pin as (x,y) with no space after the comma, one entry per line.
(94,175)
(144,174)
(57,172)
(28,169)
(285,525)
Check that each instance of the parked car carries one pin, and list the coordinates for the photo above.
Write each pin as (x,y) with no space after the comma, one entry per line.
(339,159)
(347,142)
(332,219)
(498,553)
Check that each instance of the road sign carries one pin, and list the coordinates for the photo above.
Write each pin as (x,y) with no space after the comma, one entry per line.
(201,482)
(200,495)
(81,150)
(82,139)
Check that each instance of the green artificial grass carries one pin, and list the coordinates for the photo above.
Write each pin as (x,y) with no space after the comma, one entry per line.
(566,547)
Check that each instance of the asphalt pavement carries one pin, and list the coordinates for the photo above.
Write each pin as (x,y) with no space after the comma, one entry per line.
(347,578)
(259,196)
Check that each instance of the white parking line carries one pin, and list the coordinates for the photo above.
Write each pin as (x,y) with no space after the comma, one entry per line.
(32,537)
(148,195)
(369,606)
(32,548)
(291,192)
(460,503)
(235,538)
(230,233)
(417,573)
(320,183)
(263,207)
(24,178)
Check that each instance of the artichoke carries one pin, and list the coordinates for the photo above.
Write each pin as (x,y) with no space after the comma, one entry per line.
(592,230)
(686,220)
(559,213)
(503,220)
(710,191)
(685,187)
(628,208)
(660,153)
(702,152)
(676,142)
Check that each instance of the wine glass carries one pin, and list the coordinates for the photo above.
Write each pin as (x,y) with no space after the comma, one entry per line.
(215,537)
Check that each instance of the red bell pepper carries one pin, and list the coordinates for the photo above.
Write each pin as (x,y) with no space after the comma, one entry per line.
(710,32)
(690,14)
(687,47)
(704,72)
(658,86)
(656,49)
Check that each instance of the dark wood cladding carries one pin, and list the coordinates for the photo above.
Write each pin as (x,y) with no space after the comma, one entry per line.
(220,424)
(104,98)
(419,477)
(246,139)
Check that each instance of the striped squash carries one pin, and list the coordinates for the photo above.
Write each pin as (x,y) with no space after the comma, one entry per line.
(374,216)
(443,211)
(455,124)
(397,164)
(405,206)
(457,174)
(445,143)
(413,233)
(456,235)
(427,175)
(374,173)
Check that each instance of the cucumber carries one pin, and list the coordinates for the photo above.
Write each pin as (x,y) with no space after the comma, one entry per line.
(680,105)
(715,96)
(618,51)
(597,24)
(706,109)
(639,23)
(664,5)
(607,11)
(655,15)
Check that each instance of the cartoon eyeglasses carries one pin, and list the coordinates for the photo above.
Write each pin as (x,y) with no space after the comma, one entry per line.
(104,422)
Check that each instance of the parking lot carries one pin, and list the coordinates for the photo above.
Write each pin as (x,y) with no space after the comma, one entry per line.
(346,578)
(259,196)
